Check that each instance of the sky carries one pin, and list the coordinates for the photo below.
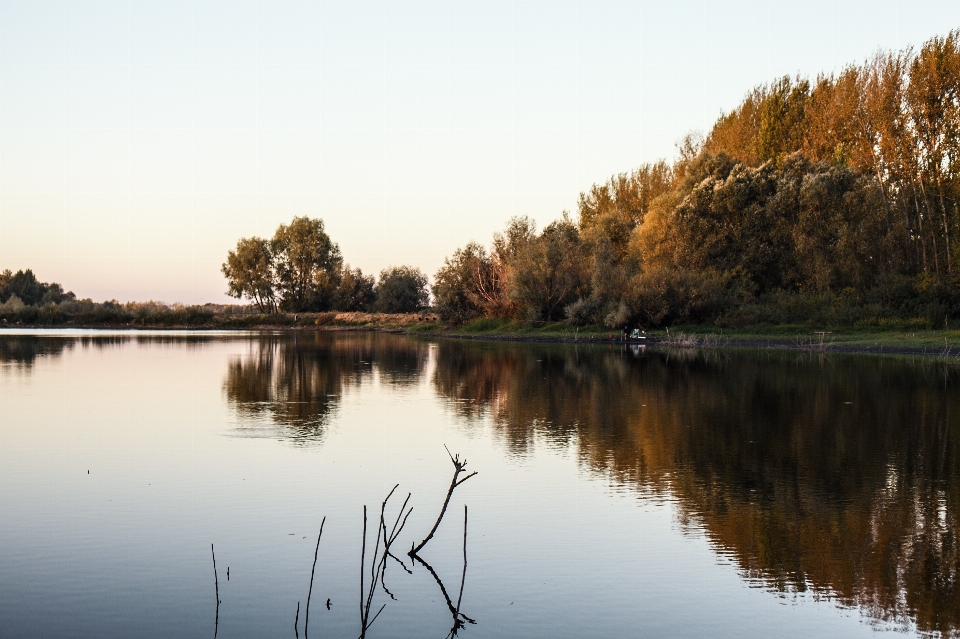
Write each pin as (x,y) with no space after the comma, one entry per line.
(139,140)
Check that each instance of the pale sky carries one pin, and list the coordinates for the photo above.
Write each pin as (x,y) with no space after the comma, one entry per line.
(139,140)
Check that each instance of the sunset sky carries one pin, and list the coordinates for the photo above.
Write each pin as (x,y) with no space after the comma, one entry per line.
(140,140)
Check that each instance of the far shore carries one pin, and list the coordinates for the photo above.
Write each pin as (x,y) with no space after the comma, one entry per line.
(895,341)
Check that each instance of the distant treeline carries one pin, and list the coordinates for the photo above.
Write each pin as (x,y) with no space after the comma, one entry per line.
(24,289)
(832,201)
(299,271)
(53,307)
(24,300)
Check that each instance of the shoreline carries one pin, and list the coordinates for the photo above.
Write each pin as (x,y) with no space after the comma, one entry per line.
(854,343)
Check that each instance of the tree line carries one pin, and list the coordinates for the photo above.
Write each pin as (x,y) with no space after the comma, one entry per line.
(301,269)
(832,200)
(24,289)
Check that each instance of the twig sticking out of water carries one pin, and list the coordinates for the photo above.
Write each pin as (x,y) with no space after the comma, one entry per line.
(389,538)
(378,562)
(375,566)
(394,530)
(680,340)
(216,585)
(459,467)
(946,349)
(823,341)
(296,622)
(463,576)
(306,621)
(363,561)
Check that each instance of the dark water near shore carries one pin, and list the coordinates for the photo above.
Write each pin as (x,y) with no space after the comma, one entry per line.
(620,493)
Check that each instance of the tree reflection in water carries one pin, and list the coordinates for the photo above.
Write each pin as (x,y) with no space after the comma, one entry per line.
(839,475)
(21,352)
(836,474)
(297,381)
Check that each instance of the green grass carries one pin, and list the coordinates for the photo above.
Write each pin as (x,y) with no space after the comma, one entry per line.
(891,335)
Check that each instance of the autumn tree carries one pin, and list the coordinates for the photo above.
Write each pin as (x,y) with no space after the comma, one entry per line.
(840,189)
(549,272)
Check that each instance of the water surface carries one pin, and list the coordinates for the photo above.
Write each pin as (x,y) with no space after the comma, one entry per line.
(620,492)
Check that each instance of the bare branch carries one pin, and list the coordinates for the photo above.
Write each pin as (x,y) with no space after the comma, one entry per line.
(306,621)
(459,467)
(216,585)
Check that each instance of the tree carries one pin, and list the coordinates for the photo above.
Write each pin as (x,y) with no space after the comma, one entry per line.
(306,264)
(299,269)
(401,289)
(249,273)
(548,273)
(613,210)
(354,291)
(455,287)
(933,96)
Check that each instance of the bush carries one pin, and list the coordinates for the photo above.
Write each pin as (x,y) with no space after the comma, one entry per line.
(581,312)
(667,297)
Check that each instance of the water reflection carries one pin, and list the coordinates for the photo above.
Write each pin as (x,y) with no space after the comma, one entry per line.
(838,475)
(298,381)
(22,352)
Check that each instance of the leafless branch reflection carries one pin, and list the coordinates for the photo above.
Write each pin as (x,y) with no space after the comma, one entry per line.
(459,619)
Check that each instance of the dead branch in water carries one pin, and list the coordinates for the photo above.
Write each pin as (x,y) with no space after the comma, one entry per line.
(463,576)
(459,467)
(389,538)
(306,621)
(365,620)
(216,585)
(378,559)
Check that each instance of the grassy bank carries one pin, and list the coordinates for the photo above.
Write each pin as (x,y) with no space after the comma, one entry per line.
(801,337)
(886,339)
(891,337)
(111,315)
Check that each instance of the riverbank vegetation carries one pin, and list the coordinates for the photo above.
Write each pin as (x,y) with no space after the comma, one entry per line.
(829,202)
(302,270)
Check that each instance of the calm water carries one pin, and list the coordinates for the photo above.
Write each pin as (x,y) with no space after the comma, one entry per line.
(619,493)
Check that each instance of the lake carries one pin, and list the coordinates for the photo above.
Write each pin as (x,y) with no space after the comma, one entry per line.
(620,491)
